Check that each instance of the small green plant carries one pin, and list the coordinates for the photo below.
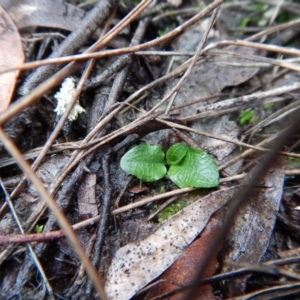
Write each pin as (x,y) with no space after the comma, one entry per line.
(258,6)
(268,106)
(171,210)
(294,160)
(244,22)
(246,117)
(38,228)
(170,27)
(146,162)
(135,2)
(189,167)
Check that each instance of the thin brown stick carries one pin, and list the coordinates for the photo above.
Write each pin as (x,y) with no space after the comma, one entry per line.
(61,122)
(75,40)
(245,153)
(175,89)
(264,61)
(59,234)
(34,256)
(172,34)
(271,48)
(273,29)
(54,80)
(74,160)
(235,102)
(61,219)
(236,142)
(281,113)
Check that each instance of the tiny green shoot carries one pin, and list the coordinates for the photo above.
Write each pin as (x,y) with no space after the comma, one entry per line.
(170,27)
(38,228)
(246,117)
(268,106)
(294,160)
(161,189)
(244,22)
(171,210)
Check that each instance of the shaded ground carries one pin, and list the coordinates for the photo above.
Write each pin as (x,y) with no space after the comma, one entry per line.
(220,77)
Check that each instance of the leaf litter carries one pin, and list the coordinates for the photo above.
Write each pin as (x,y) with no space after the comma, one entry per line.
(218,75)
(135,265)
(182,270)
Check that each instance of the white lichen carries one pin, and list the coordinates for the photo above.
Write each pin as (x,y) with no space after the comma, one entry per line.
(64,97)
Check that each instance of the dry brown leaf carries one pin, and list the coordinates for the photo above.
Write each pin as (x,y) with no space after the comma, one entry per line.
(137,264)
(11,54)
(183,270)
(86,196)
(137,189)
(43,13)
(252,228)
(208,76)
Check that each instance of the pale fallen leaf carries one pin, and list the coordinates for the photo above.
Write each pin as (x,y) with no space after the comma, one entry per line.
(11,54)
(175,3)
(43,13)
(208,77)
(185,267)
(250,233)
(221,127)
(86,195)
(136,264)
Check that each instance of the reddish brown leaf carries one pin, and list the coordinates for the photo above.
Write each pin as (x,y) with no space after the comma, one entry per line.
(11,54)
(183,270)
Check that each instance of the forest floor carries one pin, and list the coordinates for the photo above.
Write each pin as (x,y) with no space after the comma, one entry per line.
(149,149)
